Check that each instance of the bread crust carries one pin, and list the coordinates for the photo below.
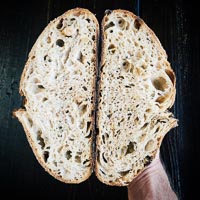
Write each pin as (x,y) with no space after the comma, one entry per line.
(123,181)
(18,113)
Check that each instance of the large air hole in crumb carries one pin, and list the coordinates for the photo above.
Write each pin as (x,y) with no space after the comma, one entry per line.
(160,83)
(44,99)
(47,58)
(131,147)
(84,88)
(109,25)
(124,173)
(46,156)
(60,24)
(137,23)
(68,154)
(150,145)
(93,37)
(111,48)
(90,134)
(40,139)
(161,99)
(88,20)
(144,126)
(60,43)
(121,23)
(109,116)
(78,159)
(83,109)
(72,19)
(103,139)
(41,87)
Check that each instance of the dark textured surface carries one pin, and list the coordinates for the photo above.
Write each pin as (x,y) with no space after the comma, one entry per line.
(174,22)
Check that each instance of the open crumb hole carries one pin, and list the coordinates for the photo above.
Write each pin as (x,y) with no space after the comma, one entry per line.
(60,42)
(88,20)
(78,159)
(46,156)
(137,23)
(83,109)
(109,25)
(160,83)
(124,173)
(111,48)
(68,154)
(131,147)
(60,24)
(40,139)
(161,99)
(44,99)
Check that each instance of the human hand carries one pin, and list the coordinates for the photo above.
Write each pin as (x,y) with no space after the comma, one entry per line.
(151,184)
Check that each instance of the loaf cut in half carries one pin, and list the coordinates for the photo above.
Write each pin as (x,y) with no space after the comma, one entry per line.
(58,84)
(137,88)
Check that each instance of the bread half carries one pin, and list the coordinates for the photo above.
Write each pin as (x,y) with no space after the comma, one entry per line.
(58,83)
(137,87)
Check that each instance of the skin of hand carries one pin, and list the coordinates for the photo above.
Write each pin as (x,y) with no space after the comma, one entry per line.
(151,184)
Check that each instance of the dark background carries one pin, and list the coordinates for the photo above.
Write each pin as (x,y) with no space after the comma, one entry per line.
(176,25)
